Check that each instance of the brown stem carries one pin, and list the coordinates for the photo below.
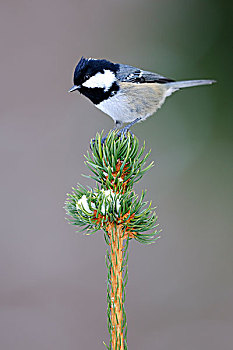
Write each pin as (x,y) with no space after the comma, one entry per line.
(116,236)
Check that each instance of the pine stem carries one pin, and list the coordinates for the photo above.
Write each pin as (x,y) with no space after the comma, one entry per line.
(116,242)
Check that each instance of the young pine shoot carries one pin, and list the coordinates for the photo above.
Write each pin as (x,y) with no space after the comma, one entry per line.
(113,207)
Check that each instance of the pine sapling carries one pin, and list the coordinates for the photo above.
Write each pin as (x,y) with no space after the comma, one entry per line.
(113,207)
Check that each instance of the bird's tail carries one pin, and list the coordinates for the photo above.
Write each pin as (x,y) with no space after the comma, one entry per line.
(188,83)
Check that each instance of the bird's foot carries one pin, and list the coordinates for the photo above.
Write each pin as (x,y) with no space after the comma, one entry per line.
(93,141)
(123,132)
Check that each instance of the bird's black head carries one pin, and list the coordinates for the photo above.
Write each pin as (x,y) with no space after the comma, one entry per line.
(95,78)
(87,68)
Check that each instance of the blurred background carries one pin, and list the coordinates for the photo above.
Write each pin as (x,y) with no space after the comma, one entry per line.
(53,280)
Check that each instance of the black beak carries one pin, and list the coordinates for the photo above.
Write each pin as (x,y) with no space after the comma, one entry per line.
(75,87)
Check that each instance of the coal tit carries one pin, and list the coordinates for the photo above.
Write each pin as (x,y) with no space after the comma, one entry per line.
(127,94)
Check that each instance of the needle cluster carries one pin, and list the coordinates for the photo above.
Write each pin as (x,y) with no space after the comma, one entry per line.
(116,166)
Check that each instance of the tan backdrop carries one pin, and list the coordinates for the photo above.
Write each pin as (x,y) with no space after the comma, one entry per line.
(53,281)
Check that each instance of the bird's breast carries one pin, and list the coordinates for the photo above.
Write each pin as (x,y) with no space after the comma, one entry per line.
(134,101)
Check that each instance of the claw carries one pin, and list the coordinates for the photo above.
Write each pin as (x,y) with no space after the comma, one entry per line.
(92,143)
(103,139)
(123,132)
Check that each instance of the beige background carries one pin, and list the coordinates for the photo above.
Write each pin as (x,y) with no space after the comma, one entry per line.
(53,281)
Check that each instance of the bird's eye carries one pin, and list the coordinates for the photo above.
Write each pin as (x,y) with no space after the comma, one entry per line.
(87,76)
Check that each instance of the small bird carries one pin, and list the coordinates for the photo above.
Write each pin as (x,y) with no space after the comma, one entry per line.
(127,94)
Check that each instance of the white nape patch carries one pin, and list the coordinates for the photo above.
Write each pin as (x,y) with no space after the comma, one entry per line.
(101,80)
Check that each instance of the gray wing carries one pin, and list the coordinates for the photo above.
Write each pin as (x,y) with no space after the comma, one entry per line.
(136,75)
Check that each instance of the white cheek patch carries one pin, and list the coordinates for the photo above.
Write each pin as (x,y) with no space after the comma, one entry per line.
(101,80)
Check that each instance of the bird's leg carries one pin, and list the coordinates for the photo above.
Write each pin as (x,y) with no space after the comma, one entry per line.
(117,123)
(124,131)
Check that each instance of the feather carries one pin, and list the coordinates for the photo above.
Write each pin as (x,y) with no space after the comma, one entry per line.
(134,75)
(188,83)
